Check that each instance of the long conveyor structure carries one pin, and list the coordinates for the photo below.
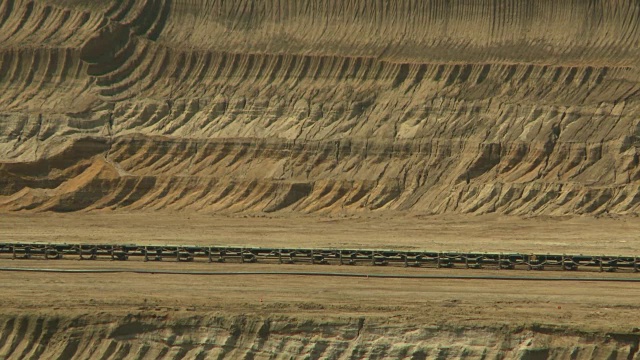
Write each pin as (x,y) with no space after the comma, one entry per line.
(406,258)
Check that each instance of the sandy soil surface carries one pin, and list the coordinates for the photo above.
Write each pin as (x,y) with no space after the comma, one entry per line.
(587,305)
(128,315)
(135,316)
(463,301)
(579,235)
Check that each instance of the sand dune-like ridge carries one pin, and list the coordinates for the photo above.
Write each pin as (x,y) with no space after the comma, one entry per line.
(516,107)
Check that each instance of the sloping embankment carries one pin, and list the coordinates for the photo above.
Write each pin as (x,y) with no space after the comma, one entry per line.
(140,336)
(517,107)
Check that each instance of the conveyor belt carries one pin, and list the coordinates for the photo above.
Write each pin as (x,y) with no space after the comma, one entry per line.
(409,258)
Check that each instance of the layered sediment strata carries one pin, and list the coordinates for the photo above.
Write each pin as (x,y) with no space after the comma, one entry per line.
(516,107)
(168,336)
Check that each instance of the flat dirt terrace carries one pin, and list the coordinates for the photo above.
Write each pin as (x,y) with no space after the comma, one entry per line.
(576,235)
(602,306)
(458,301)
(125,314)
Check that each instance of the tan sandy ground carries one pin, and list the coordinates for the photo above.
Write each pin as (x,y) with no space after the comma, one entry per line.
(575,304)
(464,302)
(586,235)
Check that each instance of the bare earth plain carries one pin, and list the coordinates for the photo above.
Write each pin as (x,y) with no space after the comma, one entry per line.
(133,315)
(491,233)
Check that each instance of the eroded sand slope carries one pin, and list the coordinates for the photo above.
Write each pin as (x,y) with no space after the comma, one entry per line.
(517,107)
(167,336)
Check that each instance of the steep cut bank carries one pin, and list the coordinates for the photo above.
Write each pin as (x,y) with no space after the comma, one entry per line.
(323,106)
(162,336)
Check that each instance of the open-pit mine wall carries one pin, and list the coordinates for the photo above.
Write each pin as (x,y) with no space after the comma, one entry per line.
(166,336)
(524,107)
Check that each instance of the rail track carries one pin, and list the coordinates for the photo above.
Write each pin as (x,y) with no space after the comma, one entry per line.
(248,255)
